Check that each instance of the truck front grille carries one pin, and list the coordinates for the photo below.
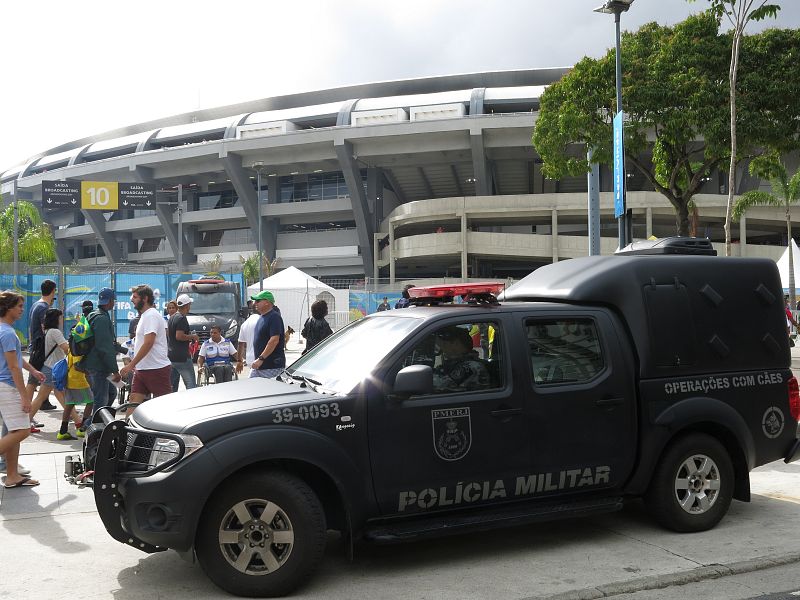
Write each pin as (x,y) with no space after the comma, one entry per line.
(138,449)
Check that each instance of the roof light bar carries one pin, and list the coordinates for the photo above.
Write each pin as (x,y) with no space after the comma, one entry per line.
(459,289)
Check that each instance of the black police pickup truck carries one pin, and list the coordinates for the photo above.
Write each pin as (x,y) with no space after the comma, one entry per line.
(591,381)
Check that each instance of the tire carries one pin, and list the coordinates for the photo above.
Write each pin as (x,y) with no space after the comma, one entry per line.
(246,563)
(692,487)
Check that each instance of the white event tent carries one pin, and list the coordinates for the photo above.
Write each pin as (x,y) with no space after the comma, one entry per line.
(783,267)
(294,293)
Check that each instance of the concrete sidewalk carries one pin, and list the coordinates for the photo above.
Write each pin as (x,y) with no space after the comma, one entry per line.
(578,559)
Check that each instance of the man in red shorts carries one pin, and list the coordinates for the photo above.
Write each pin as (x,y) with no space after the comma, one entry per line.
(150,363)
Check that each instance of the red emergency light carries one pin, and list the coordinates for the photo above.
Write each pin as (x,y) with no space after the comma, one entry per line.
(482,290)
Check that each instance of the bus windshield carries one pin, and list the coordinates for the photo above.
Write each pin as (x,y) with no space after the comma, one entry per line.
(216,303)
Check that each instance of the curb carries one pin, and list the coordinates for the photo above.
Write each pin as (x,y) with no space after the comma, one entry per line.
(657,582)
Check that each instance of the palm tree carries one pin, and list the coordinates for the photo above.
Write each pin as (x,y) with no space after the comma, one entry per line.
(250,267)
(36,243)
(785,192)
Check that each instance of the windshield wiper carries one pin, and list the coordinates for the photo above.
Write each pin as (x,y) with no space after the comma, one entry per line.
(287,377)
(307,382)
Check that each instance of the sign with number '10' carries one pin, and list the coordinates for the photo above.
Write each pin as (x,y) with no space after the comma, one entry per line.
(99,195)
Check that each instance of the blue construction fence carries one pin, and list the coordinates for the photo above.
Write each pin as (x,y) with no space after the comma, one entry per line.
(80,287)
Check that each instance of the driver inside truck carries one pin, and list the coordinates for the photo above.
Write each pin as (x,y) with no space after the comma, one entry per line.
(460,369)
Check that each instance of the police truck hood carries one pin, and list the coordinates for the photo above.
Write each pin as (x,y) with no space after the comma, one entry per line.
(213,410)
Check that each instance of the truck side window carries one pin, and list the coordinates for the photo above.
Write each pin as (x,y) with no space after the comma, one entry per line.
(564,350)
(464,357)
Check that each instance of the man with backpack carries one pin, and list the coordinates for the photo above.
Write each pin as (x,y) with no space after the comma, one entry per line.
(101,359)
(36,333)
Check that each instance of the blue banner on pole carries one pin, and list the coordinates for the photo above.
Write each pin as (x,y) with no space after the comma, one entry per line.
(619,167)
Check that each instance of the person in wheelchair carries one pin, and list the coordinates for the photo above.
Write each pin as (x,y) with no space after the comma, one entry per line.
(217,355)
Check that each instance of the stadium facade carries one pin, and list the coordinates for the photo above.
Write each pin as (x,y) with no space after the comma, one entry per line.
(405,179)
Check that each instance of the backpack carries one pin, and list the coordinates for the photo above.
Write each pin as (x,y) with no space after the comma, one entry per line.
(81,338)
(37,356)
(60,370)
(314,332)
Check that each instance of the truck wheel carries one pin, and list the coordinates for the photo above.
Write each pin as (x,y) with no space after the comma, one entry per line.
(262,534)
(692,487)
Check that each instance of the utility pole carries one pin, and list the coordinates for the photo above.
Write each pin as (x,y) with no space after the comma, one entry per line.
(180,228)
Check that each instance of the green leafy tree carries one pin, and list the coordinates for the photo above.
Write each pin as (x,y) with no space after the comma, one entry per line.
(677,128)
(785,193)
(739,15)
(36,243)
(250,267)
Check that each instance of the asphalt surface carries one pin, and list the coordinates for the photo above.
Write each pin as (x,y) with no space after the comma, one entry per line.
(53,544)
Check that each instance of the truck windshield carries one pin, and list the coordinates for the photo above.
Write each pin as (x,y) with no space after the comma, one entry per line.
(217,303)
(343,360)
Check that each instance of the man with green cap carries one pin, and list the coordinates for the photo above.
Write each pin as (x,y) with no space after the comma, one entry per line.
(268,340)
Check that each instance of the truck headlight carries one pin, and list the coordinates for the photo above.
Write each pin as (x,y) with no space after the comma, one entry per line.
(232,331)
(165,449)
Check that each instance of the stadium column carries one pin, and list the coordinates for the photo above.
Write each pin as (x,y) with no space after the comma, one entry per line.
(108,242)
(481,172)
(246,191)
(358,198)
(166,217)
(375,196)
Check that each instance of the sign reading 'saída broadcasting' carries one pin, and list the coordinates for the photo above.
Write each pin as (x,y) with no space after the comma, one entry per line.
(60,194)
(98,195)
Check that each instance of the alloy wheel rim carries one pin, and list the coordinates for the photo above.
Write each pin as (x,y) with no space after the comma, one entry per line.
(256,537)
(697,484)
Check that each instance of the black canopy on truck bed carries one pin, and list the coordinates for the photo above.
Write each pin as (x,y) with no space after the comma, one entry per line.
(686,314)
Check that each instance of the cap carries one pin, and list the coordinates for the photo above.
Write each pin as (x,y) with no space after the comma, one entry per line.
(455,333)
(105,296)
(184,299)
(265,295)
(87,304)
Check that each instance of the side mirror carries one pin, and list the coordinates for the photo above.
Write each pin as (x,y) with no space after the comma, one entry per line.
(414,380)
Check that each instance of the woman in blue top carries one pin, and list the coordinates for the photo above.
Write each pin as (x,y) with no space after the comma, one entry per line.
(15,400)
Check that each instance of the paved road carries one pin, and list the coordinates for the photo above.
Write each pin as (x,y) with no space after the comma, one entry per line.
(52,545)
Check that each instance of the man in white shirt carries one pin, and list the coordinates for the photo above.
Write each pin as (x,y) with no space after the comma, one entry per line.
(150,363)
(246,335)
(217,353)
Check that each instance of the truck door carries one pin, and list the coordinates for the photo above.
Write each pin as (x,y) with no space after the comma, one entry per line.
(451,448)
(582,403)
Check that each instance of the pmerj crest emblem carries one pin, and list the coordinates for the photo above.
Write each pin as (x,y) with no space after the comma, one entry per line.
(452,432)
(772,422)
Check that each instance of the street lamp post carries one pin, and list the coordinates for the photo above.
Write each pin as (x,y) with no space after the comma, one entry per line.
(179,204)
(16,233)
(259,166)
(617,7)
(180,228)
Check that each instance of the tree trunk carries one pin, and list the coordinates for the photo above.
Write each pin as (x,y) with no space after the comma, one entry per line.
(792,299)
(737,38)
(682,219)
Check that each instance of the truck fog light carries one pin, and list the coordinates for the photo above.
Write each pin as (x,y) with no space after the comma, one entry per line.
(158,517)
